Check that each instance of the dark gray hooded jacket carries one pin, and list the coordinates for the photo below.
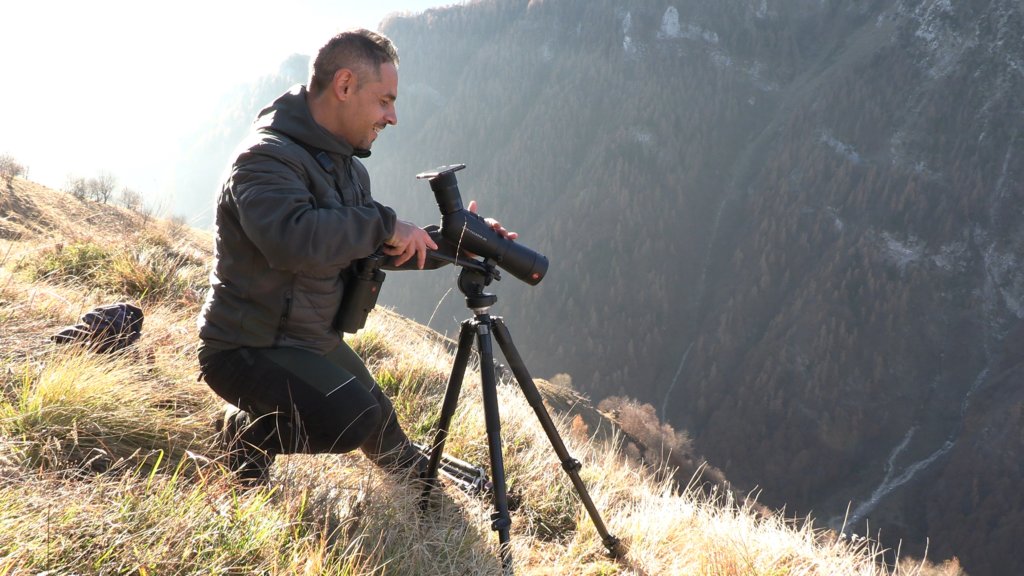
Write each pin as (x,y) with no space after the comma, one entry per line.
(286,231)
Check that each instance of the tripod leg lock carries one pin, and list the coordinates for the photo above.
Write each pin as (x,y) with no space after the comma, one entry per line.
(571,465)
(500,522)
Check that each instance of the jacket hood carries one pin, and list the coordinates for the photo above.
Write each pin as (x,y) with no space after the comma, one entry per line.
(290,115)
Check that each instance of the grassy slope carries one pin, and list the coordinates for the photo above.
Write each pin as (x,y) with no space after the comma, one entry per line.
(108,465)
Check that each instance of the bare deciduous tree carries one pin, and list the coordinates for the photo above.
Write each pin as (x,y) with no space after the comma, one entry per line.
(131,199)
(77,187)
(102,187)
(9,168)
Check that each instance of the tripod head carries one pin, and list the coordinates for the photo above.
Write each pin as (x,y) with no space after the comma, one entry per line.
(474,277)
(472,282)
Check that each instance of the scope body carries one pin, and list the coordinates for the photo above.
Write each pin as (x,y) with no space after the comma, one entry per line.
(470,232)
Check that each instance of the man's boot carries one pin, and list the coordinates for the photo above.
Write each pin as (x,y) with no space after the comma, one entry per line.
(247,446)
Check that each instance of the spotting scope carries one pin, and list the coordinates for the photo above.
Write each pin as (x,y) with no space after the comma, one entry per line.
(470,232)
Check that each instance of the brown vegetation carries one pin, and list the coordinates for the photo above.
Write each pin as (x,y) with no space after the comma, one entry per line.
(108,465)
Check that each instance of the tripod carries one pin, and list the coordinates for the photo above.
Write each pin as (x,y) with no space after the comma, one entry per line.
(472,280)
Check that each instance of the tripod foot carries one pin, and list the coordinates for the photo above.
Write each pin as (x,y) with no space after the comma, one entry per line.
(616,547)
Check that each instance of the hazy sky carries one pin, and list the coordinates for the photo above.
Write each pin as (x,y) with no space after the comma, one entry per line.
(106,84)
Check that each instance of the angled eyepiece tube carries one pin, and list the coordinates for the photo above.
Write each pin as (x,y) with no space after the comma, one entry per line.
(446,188)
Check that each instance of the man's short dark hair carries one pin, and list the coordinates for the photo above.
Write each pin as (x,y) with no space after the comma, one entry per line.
(360,49)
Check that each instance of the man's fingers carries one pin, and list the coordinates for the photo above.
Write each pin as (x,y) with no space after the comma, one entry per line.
(401,258)
(497,227)
(410,241)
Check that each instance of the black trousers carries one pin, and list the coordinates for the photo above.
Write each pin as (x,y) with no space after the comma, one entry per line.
(311,403)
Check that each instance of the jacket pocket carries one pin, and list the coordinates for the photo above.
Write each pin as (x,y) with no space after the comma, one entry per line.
(316,302)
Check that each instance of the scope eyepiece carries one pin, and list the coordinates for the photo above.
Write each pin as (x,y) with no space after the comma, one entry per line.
(442,171)
(445,186)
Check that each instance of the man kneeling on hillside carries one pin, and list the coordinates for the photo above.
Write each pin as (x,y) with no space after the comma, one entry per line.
(294,214)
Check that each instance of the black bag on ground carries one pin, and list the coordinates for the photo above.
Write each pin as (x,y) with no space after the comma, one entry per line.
(105,328)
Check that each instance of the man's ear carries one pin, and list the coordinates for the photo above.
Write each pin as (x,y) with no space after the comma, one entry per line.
(344,83)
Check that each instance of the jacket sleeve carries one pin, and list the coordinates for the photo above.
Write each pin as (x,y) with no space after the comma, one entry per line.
(281,217)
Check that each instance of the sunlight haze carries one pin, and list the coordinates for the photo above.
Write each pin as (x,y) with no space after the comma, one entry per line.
(110,86)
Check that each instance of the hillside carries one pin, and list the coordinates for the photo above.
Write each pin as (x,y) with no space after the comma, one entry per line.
(108,465)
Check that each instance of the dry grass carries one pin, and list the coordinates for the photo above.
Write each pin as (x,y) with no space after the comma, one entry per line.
(107,464)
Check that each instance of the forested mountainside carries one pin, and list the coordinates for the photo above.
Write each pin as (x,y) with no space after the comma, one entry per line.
(793,226)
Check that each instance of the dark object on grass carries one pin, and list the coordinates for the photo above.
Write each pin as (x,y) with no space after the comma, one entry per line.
(105,328)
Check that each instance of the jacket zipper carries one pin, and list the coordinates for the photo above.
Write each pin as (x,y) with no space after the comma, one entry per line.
(282,324)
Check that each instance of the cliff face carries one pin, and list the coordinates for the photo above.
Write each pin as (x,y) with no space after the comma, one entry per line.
(795,228)
(973,501)
(859,346)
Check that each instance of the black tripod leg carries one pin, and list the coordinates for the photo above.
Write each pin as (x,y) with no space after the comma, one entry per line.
(501,521)
(451,401)
(569,464)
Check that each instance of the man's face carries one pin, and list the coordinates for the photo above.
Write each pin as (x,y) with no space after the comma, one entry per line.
(370,107)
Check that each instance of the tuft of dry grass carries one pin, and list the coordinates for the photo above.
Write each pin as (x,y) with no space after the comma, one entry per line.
(72,407)
(108,465)
(148,271)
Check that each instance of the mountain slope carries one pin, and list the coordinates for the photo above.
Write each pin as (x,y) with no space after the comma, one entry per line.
(792,227)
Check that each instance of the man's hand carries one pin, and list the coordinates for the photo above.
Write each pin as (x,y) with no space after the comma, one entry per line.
(409,240)
(494,224)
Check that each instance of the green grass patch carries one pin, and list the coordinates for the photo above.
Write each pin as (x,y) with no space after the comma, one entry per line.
(149,270)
